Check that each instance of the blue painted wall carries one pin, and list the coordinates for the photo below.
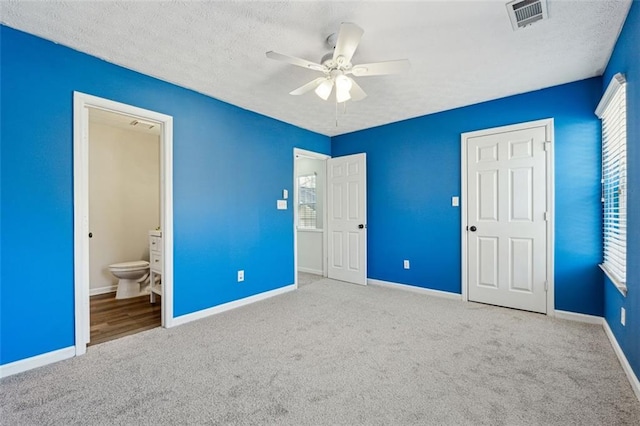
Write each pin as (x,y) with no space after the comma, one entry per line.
(413,170)
(230,166)
(626,59)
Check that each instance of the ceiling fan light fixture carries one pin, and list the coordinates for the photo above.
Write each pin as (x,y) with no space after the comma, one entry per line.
(343,82)
(342,95)
(324,89)
(337,67)
(343,87)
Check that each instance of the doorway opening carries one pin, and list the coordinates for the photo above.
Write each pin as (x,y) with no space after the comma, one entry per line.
(330,214)
(310,216)
(124,207)
(123,219)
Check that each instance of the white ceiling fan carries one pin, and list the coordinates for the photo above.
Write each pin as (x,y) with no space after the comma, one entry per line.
(337,67)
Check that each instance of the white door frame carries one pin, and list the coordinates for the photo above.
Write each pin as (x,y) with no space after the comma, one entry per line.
(298,152)
(548,123)
(81,104)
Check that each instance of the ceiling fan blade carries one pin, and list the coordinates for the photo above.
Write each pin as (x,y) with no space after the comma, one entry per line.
(356,91)
(308,87)
(348,40)
(381,68)
(296,61)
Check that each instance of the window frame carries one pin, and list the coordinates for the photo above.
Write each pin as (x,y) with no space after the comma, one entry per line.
(612,110)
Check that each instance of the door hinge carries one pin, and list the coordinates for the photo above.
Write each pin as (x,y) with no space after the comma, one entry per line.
(546,286)
(546,145)
(546,216)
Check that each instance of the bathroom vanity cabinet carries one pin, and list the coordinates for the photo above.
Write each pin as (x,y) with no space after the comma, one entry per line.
(155,263)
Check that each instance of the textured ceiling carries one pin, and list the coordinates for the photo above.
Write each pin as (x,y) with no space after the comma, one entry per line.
(461,52)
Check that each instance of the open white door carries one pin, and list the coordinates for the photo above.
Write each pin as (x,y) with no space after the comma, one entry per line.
(347,218)
(507,216)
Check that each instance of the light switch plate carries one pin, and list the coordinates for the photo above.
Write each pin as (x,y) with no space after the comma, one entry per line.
(282,204)
(455,201)
(285,194)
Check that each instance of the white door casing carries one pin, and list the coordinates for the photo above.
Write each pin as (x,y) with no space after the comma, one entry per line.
(347,216)
(507,216)
(81,103)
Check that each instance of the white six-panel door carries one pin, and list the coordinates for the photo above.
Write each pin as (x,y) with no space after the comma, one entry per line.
(347,191)
(507,218)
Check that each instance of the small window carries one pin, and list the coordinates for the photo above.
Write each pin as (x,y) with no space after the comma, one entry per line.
(307,213)
(612,110)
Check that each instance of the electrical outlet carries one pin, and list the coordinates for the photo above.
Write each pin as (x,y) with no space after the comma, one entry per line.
(623,316)
(240,276)
(406,264)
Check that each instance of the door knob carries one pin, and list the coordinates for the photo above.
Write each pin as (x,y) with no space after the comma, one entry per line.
(473,229)
(361,226)
(90,234)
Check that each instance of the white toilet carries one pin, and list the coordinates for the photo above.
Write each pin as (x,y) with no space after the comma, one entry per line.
(131,278)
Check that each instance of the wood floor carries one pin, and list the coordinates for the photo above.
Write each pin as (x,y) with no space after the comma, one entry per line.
(113,318)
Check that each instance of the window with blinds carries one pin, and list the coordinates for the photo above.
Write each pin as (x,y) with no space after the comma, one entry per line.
(613,113)
(307,214)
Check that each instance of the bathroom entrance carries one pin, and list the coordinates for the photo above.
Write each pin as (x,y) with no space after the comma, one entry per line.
(122,220)
(124,208)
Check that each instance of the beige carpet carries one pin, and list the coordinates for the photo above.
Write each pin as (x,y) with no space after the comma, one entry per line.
(335,353)
(305,278)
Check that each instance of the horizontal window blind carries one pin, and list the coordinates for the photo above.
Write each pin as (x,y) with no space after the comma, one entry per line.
(614,183)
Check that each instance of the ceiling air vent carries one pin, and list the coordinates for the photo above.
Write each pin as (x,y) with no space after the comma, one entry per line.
(142,123)
(526,12)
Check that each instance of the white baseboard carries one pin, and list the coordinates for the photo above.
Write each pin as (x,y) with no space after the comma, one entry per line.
(573,316)
(412,288)
(65,353)
(310,270)
(103,290)
(16,367)
(183,319)
(633,379)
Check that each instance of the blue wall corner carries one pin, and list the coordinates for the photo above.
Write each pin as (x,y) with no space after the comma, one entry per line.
(413,170)
(626,59)
(230,167)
